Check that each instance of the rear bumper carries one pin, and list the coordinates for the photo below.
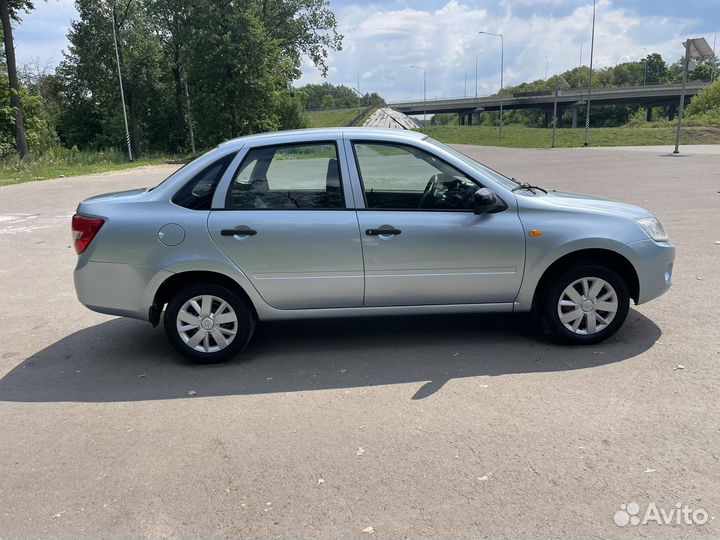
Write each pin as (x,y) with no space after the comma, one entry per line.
(653,263)
(118,289)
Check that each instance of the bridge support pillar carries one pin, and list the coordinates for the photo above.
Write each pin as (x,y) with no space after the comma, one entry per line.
(672,111)
(648,114)
(548,118)
(469,119)
(574,117)
(559,121)
(478,118)
(461,119)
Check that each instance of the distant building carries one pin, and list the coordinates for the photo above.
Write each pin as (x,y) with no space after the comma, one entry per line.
(390,118)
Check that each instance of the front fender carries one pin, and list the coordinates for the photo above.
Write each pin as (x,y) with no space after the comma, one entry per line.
(565,230)
(538,260)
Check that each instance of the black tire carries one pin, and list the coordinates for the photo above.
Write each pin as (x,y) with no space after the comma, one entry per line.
(244,327)
(549,308)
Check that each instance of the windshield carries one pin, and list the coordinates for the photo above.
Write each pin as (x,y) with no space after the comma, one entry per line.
(483,169)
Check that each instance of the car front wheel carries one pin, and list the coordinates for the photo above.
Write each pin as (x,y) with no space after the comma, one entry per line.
(586,305)
(208,323)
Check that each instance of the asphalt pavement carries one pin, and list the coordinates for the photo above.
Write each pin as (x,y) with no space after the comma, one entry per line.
(409,427)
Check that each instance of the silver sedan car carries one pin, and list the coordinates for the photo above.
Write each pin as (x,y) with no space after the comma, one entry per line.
(359,222)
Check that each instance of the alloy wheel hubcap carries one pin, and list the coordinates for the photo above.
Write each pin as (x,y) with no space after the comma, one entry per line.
(587,306)
(207,323)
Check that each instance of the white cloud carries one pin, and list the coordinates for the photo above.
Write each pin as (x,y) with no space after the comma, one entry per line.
(381,42)
(382,39)
(41,34)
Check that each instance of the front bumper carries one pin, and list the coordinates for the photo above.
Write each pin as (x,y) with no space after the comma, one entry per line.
(653,263)
(116,288)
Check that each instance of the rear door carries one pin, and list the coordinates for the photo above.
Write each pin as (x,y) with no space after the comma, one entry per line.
(286,225)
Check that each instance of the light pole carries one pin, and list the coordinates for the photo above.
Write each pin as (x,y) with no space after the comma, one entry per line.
(424,93)
(502,69)
(592,50)
(476,76)
(696,49)
(645,73)
(712,69)
(559,81)
(122,92)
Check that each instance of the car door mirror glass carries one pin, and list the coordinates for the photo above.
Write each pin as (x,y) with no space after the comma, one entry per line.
(485,201)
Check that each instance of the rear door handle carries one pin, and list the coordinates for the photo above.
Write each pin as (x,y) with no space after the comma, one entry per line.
(240,230)
(383,230)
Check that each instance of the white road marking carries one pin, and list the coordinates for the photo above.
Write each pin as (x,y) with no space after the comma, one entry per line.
(18,223)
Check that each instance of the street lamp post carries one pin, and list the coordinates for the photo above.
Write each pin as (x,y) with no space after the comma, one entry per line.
(122,92)
(592,50)
(695,49)
(645,74)
(559,81)
(502,69)
(712,69)
(476,76)
(424,93)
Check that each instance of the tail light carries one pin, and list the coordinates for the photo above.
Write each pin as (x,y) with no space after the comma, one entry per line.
(84,230)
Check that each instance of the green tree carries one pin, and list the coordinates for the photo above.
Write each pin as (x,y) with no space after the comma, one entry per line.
(657,69)
(169,19)
(703,70)
(330,96)
(90,72)
(707,103)
(238,60)
(372,99)
(9,11)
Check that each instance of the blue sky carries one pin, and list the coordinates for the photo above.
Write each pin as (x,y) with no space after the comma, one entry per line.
(383,38)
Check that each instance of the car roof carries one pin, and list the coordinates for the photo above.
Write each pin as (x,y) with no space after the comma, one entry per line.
(321,133)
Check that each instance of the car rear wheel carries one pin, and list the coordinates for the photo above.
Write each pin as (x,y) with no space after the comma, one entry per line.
(586,305)
(208,323)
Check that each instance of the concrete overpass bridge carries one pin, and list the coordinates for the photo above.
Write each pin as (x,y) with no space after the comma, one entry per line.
(470,108)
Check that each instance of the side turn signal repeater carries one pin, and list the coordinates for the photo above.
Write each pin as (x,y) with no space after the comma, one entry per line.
(535,232)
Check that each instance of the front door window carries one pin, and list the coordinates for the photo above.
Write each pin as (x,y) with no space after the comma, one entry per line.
(397,177)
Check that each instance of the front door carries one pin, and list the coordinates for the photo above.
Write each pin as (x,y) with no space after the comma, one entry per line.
(287,227)
(422,243)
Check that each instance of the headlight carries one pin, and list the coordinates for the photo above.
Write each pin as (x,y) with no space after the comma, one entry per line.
(653,229)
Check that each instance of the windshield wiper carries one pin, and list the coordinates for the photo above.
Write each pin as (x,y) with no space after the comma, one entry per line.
(527,186)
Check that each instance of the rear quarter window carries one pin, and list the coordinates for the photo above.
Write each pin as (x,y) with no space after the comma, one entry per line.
(197,193)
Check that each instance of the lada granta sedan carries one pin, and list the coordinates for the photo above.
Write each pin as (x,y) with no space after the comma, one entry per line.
(359,222)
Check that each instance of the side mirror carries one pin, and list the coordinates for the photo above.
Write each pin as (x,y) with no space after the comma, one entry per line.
(485,201)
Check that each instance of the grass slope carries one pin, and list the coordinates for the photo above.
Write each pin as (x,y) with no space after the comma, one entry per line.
(72,163)
(525,137)
(69,164)
(334,118)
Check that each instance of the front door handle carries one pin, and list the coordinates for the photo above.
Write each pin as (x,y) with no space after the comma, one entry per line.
(240,230)
(383,230)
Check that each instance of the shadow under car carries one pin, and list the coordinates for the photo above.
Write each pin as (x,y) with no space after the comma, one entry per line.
(127,360)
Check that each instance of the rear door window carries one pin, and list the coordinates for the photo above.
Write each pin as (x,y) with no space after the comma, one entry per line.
(299,176)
